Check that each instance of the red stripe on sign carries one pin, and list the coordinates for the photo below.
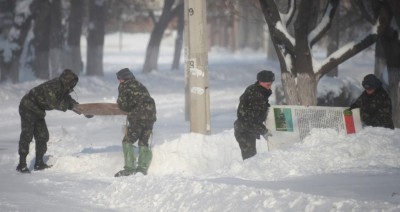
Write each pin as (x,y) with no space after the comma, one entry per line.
(350,128)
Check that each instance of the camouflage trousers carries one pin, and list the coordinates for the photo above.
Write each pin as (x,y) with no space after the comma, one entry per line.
(32,126)
(247,142)
(139,130)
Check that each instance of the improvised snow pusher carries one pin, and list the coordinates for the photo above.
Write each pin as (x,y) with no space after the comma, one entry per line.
(99,109)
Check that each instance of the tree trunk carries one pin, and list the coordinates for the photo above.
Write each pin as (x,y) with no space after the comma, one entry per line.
(95,39)
(391,48)
(153,48)
(179,40)
(306,81)
(394,92)
(394,68)
(16,38)
(41,40)
(242,26)
(73,56)
(290,88)
(380,61)
(56,39)
(8,11)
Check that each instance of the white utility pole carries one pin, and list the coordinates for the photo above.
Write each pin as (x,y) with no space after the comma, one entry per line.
(196,46)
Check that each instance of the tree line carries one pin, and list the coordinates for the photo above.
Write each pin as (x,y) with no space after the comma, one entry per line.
(45,35)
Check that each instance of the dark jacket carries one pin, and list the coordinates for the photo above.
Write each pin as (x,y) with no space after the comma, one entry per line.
(51,95)
(134,98)
(252,110)
(375,109)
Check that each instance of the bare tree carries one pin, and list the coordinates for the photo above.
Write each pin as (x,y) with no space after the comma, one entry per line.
(73,56)
(41,39)
(178,40)
(153,47)
(48,39)
(11,53)
(391,46)
(95,38)
(56,38)
(7,8)
(299,70)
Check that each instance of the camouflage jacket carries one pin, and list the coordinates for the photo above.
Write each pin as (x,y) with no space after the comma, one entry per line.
(375,109)
(253,109)
(134,98)
(51,95)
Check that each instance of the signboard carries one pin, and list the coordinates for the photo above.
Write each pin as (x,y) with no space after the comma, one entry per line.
(291,124)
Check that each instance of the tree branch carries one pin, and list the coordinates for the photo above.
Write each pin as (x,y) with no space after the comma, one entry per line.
(345,53)
(277,30)
(364,11)
(325,22)
(152,17)
(174,12)
(381,24)
(287,18)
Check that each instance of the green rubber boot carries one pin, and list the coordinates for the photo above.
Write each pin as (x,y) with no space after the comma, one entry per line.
(129,159)
(145,156)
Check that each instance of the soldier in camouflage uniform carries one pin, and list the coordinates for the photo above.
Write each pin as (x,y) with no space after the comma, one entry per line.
(374,103)
(252,112)
(51,95)
(134,98)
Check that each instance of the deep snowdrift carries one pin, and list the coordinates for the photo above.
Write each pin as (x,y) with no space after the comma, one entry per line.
(191,172)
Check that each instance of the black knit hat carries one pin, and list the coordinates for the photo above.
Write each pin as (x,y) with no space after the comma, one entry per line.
(69,78)
(125,74)
(265,76)
(371,82)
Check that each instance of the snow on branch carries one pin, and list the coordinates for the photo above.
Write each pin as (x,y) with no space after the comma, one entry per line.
(287,17)
(324,24)
(278,31)
(345,52)
(282,28)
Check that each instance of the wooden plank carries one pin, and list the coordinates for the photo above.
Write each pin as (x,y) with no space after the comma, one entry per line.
(99,109)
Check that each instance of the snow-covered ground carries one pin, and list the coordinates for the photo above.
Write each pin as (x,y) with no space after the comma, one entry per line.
(191,172)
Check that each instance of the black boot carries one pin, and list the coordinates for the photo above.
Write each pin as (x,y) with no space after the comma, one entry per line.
(22,167)
(39,163)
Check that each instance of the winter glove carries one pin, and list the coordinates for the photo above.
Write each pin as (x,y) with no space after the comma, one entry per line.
(266,135)
(89,116)
(348,112)
(71,105)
